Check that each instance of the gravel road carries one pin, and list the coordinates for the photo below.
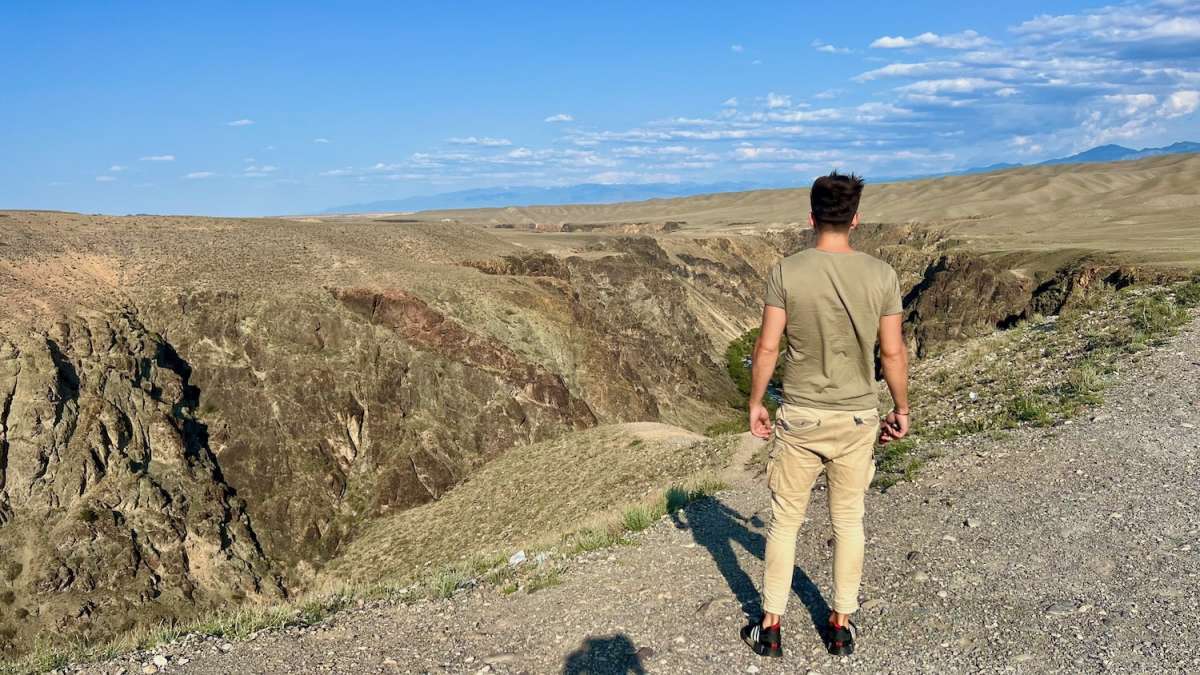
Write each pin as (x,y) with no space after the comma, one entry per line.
(1068,549)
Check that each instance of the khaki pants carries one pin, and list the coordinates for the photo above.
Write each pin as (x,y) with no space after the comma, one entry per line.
(807,442)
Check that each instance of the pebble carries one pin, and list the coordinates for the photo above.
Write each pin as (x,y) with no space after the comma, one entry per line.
(1061,609)
(920,577)
(227,647)
(161,661)
(752,669)
(971,522)
(950,538)
(150,669)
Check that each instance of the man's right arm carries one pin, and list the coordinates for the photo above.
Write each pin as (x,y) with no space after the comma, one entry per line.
(893,357)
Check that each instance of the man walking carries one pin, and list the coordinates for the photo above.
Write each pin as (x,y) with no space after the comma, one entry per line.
(835,305)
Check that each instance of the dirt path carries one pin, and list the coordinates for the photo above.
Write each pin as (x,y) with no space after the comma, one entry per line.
(1072,549)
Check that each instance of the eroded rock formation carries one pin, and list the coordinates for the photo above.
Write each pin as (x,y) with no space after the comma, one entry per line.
(113,508)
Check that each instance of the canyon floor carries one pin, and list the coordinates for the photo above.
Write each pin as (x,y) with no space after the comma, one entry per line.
(1065,549)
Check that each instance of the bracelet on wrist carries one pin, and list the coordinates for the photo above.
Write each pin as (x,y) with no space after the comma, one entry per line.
(901,412)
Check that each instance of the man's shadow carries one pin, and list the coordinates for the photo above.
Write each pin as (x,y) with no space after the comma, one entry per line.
(611,655)
(717,528)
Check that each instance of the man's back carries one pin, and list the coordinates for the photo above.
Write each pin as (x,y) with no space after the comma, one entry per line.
(833,303)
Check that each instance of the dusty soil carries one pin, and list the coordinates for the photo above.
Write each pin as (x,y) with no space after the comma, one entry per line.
(1065,549)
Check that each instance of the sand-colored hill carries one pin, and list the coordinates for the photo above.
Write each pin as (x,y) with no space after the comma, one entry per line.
(1142,210)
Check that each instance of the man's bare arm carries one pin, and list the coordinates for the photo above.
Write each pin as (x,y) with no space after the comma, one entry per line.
(766,354)
(893,357)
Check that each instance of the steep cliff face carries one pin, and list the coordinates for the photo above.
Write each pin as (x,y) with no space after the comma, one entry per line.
(113,509)
(327,410)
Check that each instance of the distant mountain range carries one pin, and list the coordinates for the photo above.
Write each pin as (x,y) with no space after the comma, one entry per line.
(603,193)
(1120,153)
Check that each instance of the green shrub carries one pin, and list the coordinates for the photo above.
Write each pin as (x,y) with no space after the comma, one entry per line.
(593,539)
(1028,408)
(446,582)
(545,578)
(637,518)
(676,498)
(737,425)
(1083,385)
(738,355)
(893,458)
(1156,315)
(1188,294)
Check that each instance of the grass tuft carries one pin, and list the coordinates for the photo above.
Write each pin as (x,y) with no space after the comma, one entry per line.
(638,518)
(544,578)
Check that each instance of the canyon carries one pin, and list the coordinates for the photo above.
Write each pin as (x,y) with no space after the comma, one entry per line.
(197,413)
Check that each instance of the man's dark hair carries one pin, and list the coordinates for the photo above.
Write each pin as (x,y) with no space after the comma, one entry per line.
(834,200)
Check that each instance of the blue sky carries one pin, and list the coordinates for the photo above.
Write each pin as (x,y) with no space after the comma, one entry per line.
(290,107)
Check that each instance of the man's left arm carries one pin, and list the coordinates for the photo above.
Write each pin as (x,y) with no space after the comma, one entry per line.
(766,354)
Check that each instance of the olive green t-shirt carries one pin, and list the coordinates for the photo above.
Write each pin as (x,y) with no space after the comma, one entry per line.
(833,303)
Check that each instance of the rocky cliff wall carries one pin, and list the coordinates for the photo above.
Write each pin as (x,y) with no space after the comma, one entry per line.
(114,511)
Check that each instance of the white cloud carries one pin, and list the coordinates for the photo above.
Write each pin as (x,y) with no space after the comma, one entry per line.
(239,123)
(908,70)
(344,171)
(158,158)
(778,100)
(483,141)
(737,48)
(560,117)
(967,39)
(1124,23)
(957,85)
(829,49)
(1131,104)
(1181,103)
(778,154)
(828,94)
(1026,145)
(200,174)
(115,168)
(320,140)
(105,179)
(641,151)
(730,102)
